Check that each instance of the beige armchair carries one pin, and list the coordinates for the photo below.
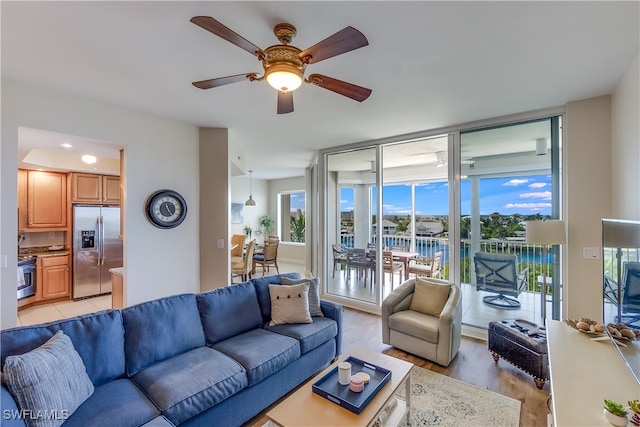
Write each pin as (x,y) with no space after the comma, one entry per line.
(433,337)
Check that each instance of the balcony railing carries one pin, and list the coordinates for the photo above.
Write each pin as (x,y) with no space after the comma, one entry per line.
(529,255)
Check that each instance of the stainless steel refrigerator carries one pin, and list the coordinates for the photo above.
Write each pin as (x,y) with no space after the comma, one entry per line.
(96,249)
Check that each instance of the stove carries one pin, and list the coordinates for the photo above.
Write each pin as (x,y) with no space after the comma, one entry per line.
(26,276)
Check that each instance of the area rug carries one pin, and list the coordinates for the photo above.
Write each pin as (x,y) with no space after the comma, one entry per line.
(437,400)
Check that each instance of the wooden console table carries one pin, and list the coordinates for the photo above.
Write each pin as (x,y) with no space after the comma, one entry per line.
(583,374)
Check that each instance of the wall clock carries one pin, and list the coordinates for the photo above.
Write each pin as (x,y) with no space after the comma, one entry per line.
(165,208)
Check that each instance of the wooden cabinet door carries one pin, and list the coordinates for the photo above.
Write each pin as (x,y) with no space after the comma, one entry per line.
(23,205)
(111,189)
(47,199)
(87,188)
(56,277)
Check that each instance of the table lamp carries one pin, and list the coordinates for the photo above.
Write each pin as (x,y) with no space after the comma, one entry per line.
(545,233)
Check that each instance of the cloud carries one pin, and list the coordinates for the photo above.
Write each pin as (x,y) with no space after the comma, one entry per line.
(544,195)
(395,210)
(530,206)
(515,182)
(538,184)
(342,202)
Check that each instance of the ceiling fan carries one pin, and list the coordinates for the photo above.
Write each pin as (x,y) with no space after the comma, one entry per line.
(284,65)
(441,159)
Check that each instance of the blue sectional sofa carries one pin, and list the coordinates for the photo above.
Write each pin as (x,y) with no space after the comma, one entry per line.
(208,359)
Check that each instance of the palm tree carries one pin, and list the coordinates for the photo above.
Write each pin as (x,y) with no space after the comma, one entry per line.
(298,227)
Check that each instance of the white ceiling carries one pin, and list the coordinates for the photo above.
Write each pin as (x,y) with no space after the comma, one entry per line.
(429,64)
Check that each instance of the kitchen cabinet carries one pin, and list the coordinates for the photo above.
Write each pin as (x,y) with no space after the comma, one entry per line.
(55,277)
(91,188)
(42,200)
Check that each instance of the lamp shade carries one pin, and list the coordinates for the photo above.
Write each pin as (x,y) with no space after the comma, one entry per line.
(545,232)
(250,202)
(619,233)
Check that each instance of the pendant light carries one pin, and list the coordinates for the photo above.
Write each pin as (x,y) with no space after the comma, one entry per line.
(250,202)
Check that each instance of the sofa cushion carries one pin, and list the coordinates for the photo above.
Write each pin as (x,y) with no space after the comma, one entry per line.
(289,304)
(429,297)
(310,335)
(117,403)
(98,338)
(229,311)
(314,293)
(416,324)
(160,421)
(189,383)
(260,352)
(51,378)
(262,290)
(159,329)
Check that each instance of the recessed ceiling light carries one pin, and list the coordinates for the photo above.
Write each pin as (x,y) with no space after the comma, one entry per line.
(89,159)
(66,145)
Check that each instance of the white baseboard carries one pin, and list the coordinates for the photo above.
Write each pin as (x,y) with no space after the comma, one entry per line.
(472,332)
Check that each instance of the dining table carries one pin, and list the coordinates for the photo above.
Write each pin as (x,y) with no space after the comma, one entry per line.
(405,257)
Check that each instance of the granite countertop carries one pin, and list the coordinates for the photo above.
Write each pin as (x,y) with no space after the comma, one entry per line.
(117,270)
(42,251)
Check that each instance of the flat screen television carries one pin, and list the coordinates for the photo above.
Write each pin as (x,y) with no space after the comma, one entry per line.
(621,283)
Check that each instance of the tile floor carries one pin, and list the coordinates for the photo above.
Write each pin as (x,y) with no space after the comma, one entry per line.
(62,310)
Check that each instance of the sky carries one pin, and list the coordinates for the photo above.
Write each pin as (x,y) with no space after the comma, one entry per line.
(525,195)
(297,201)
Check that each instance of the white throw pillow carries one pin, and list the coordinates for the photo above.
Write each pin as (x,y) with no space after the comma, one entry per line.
(51,381)
(289,304)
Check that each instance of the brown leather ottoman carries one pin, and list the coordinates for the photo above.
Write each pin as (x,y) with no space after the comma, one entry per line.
(523,344)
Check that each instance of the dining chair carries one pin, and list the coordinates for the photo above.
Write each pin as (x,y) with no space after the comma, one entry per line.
(391,266)
(400,248)
(237,243)
(339,256)
(268,257)
(426,266)
(244,267)
(356,260)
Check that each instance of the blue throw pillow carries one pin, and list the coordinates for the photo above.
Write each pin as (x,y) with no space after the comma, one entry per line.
(49,383)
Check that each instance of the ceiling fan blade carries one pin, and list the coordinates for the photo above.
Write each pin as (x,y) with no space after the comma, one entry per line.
(341,42)
(215,27)
(349,90)
(221,81)
(285,102)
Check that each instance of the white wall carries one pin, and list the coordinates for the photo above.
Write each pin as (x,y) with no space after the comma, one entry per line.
(159,154)
(587,199)
(625,148)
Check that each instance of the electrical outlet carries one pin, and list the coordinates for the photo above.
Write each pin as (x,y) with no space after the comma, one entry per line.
(590,253)
(52,234)
(220,243)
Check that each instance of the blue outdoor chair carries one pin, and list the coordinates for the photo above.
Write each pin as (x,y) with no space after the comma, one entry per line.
(631,292)
(497,273)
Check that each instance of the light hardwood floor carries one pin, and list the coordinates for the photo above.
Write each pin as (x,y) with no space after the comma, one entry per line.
(473,364)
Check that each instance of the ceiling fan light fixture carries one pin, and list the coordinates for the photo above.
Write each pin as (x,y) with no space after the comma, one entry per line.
(284,77)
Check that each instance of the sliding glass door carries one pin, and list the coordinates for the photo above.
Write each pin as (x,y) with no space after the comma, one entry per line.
(392,209)
(509,175)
